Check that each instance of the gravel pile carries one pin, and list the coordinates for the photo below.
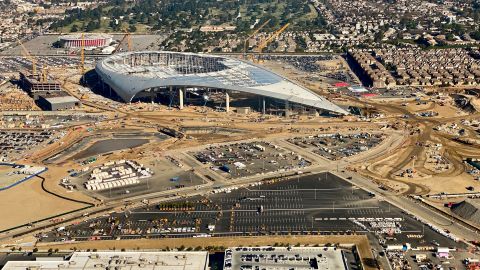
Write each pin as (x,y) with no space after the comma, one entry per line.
(468,209)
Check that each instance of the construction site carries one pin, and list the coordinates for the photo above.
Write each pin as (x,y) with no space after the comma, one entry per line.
(148,145)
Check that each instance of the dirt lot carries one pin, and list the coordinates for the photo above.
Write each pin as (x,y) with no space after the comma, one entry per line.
(27,202)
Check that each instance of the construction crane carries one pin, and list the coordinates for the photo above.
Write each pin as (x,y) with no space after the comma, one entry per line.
(82,55)
(253,34)
(30,57)
(129,42)
(44,74)
(270,38)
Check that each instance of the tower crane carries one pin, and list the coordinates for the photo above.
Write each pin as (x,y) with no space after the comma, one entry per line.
(253,34)
(44,74)
(30,57)
(270,38)
(129,42)
(82,55)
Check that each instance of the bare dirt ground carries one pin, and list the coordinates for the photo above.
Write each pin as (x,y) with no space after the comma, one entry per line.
(412,154)
(36,204)
(33,203)
(28,202)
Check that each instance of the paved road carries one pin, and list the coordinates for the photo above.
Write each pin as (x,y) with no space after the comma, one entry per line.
(402,202)
(415,208)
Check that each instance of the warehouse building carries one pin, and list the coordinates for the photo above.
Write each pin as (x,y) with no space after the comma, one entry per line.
(119,260)
(58,101)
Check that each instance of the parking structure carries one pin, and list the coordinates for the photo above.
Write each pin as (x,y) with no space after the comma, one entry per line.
(266,258)
(250,158)
(319,204)
(338,146)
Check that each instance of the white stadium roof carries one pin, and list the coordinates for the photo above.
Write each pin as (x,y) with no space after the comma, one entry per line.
(133,72)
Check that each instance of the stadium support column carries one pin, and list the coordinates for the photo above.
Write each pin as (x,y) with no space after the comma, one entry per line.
(227,102)
(170,96)
(185,94)
(180,98)
(287,109)
(263,105)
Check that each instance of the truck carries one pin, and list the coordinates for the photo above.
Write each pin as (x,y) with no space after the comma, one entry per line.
(225,168)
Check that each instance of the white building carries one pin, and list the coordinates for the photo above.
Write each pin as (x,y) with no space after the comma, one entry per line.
(119,260)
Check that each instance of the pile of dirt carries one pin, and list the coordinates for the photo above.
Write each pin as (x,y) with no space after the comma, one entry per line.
(468,209)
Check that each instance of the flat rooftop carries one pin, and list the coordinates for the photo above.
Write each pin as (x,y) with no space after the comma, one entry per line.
(120,260)
(280,258)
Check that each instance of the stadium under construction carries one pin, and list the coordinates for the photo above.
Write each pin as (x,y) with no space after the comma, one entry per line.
(179,78)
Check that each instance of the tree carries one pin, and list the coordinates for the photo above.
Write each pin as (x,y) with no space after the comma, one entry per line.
(132,28)
(91,26)
(74,28)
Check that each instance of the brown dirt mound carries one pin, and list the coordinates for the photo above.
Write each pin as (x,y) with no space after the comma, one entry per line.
(468,209)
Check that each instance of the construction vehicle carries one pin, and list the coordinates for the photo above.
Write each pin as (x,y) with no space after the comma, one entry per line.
(250,36)
(129,42)
(30,57)
(268,40)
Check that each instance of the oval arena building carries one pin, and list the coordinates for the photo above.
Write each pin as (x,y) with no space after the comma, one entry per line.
(89,40)
(135,74)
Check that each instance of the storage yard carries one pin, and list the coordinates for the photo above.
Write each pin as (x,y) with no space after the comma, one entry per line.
(338,146)
(15,144)
(47,121)
(252,158)
(117,174)
(121,179)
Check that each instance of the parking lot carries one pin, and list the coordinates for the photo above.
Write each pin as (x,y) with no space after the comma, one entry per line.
(313,204)
(246,159)
(46,120)
(303,63)
(14,144)
(11,64)
(338,146)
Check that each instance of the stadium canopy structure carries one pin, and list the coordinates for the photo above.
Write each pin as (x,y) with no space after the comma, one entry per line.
(131,73)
